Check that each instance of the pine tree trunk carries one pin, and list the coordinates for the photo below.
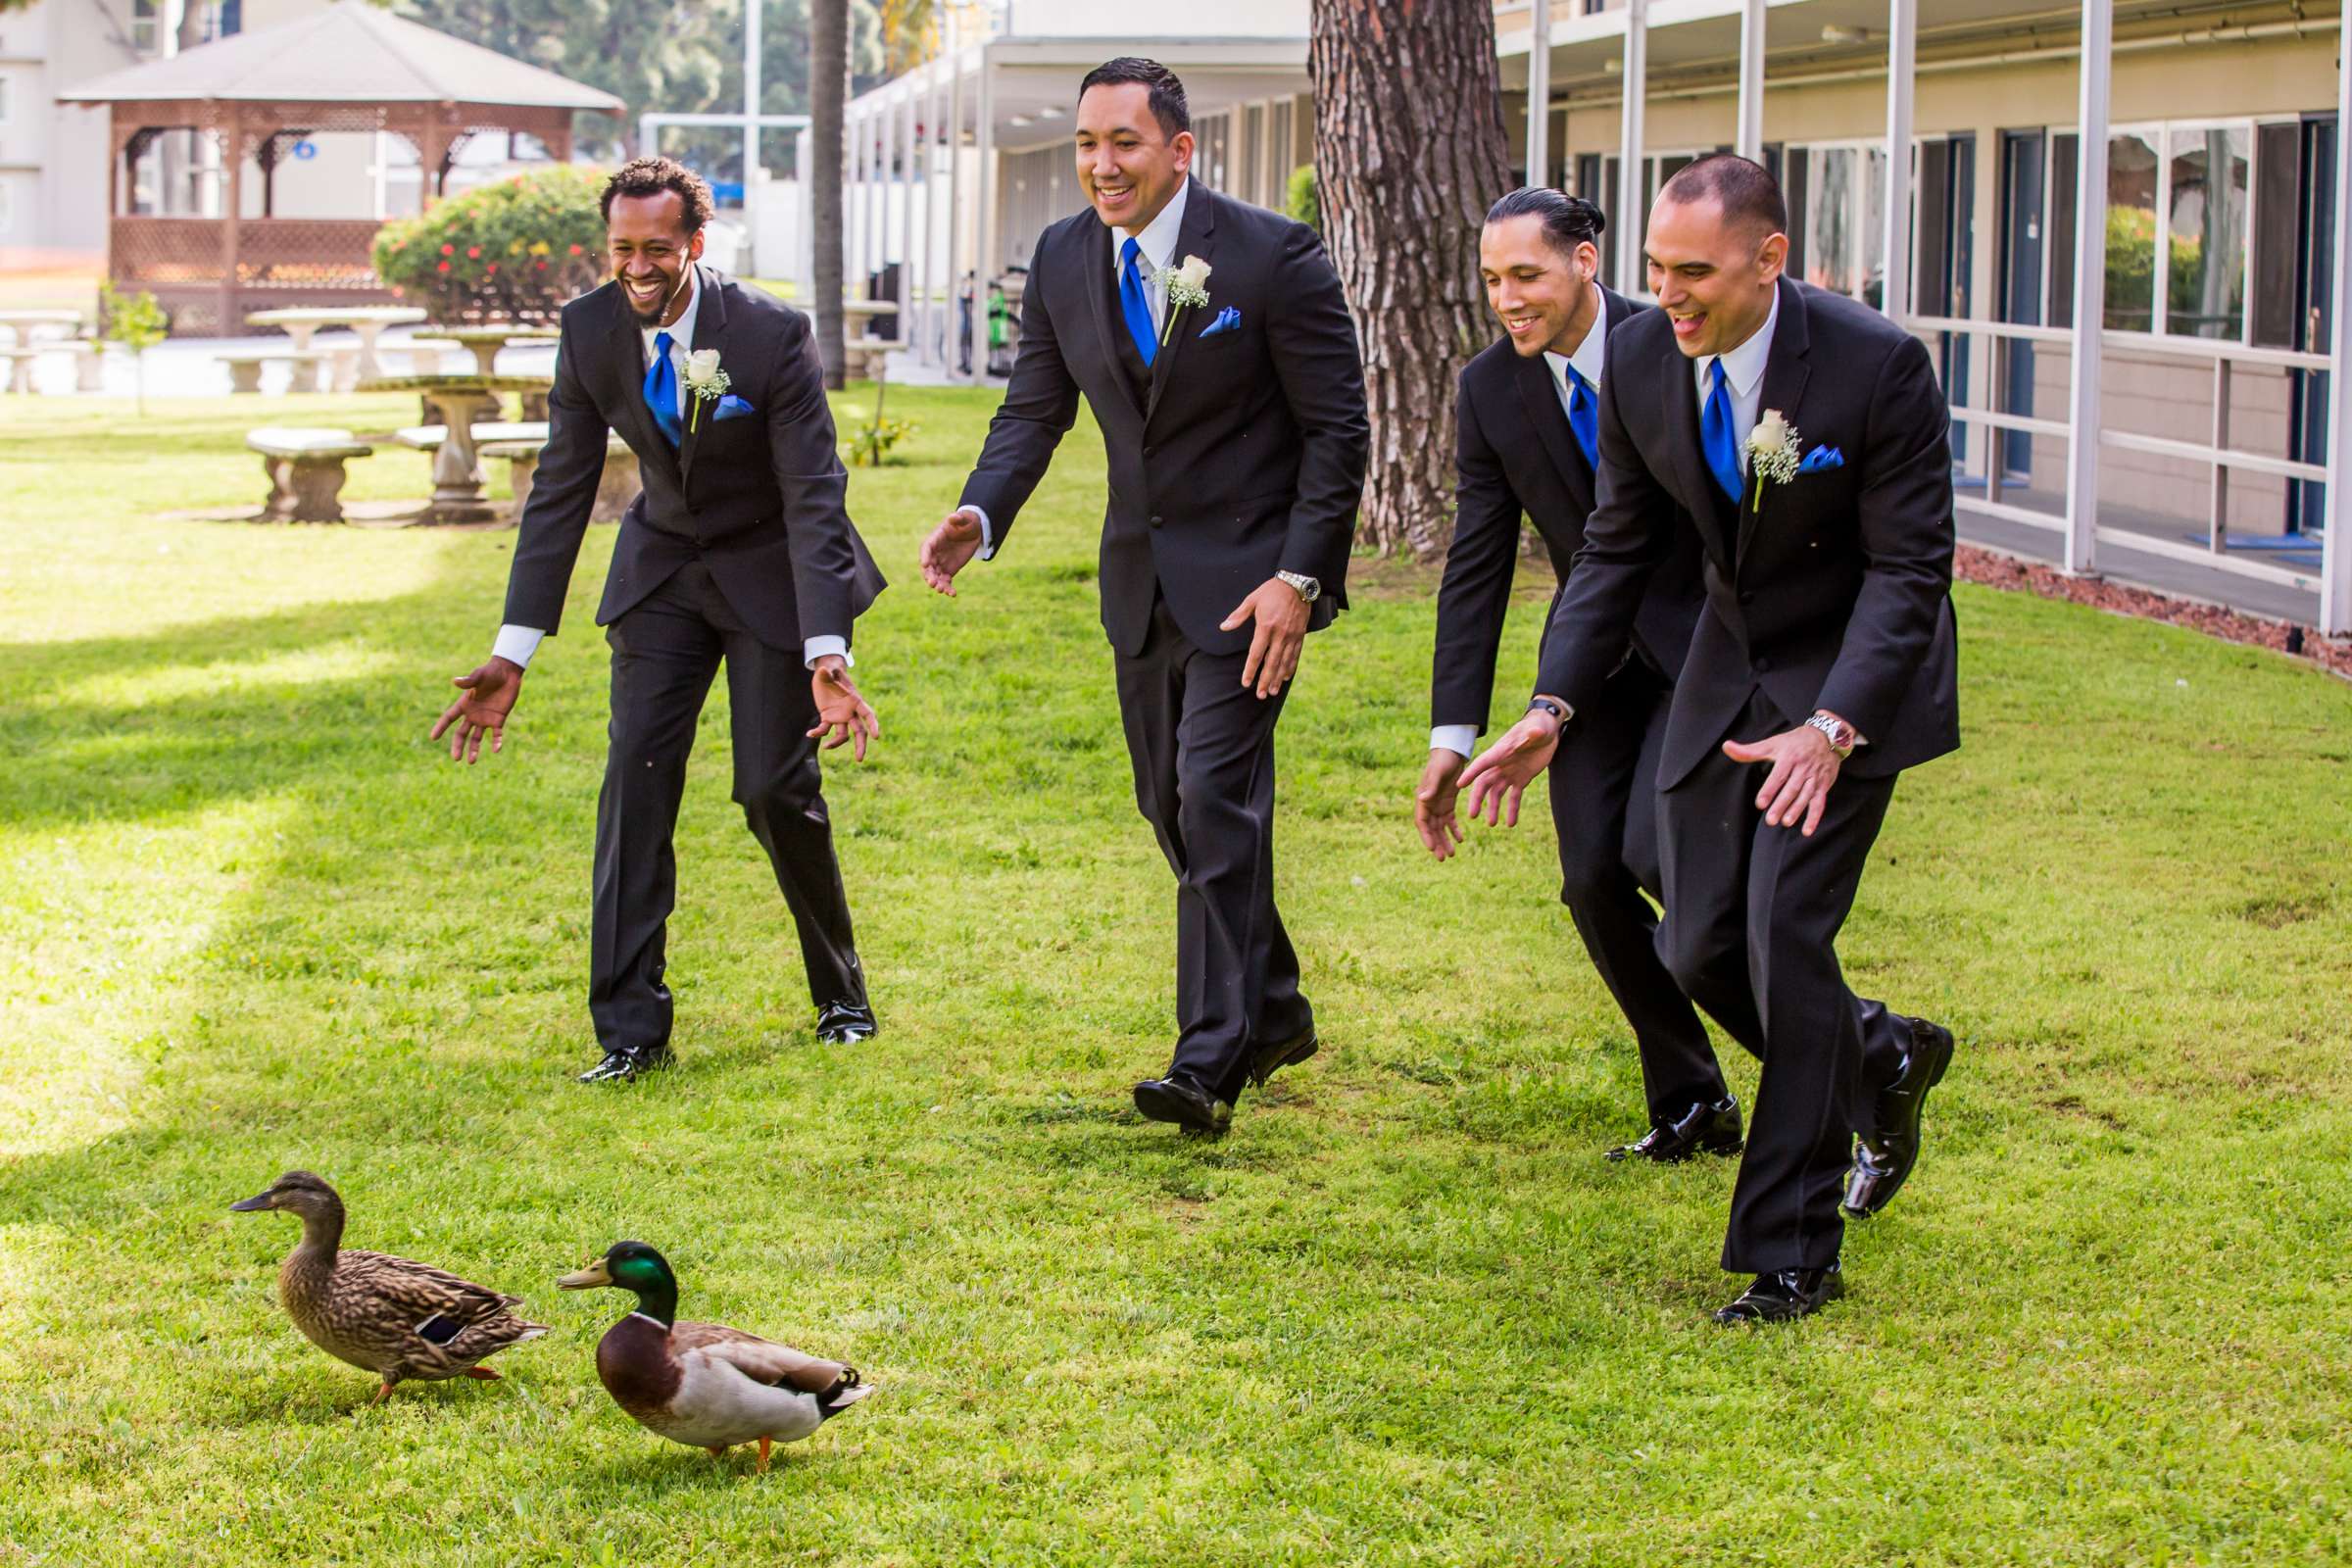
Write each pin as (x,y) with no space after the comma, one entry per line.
(1409,153)
(828,83)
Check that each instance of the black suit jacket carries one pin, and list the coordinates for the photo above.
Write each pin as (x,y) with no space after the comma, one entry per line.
(1242,457)
(1516,454)
(760,498)
(1837,594)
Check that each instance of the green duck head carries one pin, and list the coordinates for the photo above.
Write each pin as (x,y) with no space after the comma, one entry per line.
(636,1267)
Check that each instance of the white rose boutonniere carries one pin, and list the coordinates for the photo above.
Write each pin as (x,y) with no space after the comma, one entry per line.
(1187,285)
(706,381)
(1772,450)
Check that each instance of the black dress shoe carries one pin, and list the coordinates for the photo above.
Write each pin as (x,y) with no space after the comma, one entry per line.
(620,1067)
(1184,1103)
(844,1023)
(1267,1060)
(1701,1130)
(1791,1293)
(1884,1160)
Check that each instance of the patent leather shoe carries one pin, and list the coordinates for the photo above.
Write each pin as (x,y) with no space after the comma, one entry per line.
(1884,1161)
(1782,1296)
(1703,1129)
(1269,1059)
(1184,1103)
(844,1023)
(621,1066)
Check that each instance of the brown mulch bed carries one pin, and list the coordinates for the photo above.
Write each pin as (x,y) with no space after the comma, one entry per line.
(1995,570)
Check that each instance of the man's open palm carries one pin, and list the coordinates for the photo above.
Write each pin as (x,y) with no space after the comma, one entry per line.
(485,697)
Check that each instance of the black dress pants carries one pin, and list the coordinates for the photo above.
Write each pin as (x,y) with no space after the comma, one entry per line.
(1752,916)
(1604,808)
(665,652)
(1201,744)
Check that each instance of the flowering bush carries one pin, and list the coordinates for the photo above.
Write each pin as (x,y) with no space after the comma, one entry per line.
(515,251)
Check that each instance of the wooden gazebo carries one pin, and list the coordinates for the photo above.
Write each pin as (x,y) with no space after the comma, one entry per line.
(350,68)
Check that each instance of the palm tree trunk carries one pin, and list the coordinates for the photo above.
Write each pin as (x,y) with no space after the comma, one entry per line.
(1409,155)
(828,83)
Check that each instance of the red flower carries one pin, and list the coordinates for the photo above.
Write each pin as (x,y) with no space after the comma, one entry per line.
(492,267)
(575,250)
(442,266)
(541,265)
(473,253)
(449,250)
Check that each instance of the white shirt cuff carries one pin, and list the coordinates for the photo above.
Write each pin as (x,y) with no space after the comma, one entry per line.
(816,647)
(988,532)
(1459,739)
(516,644)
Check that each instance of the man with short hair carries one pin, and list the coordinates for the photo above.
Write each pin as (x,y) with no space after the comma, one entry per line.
(1212,342)
(1527,418)
(1803,438)
(739,552)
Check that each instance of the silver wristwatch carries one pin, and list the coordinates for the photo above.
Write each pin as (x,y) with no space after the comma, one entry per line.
(1307,588)
(1840,734)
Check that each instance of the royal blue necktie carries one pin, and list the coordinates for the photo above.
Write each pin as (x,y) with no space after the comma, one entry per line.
(662,389)
(1715,437)
(1135,303)
(1584,417)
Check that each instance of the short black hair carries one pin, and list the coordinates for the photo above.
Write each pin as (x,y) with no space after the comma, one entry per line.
(1746,189)
(1168,106)
(651,176)
(1568,221)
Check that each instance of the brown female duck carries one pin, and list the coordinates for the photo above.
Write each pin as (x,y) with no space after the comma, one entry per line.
(383,1314)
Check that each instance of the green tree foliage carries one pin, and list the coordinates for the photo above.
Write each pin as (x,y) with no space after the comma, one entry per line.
(1303,202)
(137,323)
(514,251)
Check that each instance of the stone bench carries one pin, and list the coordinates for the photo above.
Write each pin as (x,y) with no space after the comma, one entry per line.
(245,369)
(429,437)
(89,364)
(15,364)
(305,471)
(614,492)
(864,357)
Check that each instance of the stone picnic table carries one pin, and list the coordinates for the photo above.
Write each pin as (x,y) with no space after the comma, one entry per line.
(484,342)
(457,483)
(368,320)
(21,344)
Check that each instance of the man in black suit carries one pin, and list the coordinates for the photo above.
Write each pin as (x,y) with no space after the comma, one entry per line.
(1805,440)
(1528,421)
(1213,343)
(739,551)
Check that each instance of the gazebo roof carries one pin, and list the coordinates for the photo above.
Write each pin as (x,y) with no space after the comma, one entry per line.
(350,52)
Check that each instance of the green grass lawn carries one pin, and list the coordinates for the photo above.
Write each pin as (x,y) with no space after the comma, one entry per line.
(249,918)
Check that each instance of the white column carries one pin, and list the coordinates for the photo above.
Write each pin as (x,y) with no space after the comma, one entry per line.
(2090,289)
(956,266)
(852,178)
(1629,220)
(750,137)
(805,183)
(2335,550)
(908,266)
(1902,40)
(919,248)
(1538,94)
(1749,142)
(983,215)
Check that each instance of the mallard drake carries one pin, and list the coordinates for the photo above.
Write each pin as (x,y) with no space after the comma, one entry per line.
(383,1314)
(703,1384)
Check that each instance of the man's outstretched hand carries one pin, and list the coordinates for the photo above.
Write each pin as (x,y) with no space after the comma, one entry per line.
(950,547)
(485,697)
(843,717)
(1281,632)
(1803,768)
(1433,802)
(1503,771)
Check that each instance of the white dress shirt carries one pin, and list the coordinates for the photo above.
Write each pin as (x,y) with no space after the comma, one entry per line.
(1155,245)
(1587,356)
(1743,378)
(516,644)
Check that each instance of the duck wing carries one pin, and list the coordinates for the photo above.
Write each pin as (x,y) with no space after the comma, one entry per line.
(762,1360)
(419,1288)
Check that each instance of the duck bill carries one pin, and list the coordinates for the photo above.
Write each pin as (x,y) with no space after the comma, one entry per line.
(252,1206)
(586,1279)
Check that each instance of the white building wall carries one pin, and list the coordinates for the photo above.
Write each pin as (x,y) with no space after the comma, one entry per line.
(1200,19)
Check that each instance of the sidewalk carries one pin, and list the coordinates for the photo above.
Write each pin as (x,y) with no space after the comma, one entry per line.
(2277,592)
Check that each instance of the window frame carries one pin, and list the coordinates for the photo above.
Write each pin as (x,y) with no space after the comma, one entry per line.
(2159,133)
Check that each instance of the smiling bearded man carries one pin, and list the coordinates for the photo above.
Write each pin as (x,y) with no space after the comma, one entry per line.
(1211,340)
(739,551)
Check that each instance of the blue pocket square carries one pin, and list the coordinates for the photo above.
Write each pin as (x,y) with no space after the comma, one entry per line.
(731,407)
(1228,320)
(1822,459)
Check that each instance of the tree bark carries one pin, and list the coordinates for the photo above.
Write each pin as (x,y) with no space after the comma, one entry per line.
(1409,153)
(829,85)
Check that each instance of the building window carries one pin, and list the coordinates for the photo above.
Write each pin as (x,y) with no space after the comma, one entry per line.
(145,28)
(2205,278)
(2132,180)
(1838,210)
(3,100)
